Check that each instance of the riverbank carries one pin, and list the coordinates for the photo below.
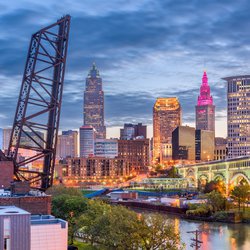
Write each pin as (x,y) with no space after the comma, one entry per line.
(232,217)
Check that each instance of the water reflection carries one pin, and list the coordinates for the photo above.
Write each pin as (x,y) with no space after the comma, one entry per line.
(215,236)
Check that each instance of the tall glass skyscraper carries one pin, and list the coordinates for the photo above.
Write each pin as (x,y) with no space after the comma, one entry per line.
(238,115)
(87,141)
(205,110)
(93,110)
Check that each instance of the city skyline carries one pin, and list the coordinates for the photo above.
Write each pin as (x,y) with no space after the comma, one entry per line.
(154,50)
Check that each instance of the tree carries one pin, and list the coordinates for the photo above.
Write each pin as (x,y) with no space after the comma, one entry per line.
(218,186)
(60,189)
(69,208)
(241,194)
(112,227)
(172,173)
(116,227)
(156,233)
(216,200)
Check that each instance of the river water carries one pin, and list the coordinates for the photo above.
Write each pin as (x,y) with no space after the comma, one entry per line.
(215,235)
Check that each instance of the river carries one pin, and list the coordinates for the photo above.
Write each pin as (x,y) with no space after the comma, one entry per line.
(215,235)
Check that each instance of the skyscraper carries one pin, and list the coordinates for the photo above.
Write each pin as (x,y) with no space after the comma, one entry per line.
(183,143)
(87,141)
(204,145)
(67,144)
(166,117)
(205,110)
(94,103)
(238,115)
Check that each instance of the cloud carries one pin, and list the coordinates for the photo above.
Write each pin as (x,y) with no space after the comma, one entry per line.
(144,49)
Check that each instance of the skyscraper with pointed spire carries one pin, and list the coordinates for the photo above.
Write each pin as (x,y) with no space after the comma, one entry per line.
(93,110)
(205,110)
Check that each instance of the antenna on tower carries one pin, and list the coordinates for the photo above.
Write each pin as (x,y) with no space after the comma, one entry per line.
(204,64)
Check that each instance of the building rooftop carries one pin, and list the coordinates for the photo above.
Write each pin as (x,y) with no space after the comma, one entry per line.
(168,103)
(7,193)
(235,77)
(12,210)
(46,219)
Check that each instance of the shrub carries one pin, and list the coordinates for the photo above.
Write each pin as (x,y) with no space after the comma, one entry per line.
(201,210)
(220,215)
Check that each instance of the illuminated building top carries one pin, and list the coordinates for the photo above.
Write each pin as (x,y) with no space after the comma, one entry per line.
(94,72)
(205,110)
(205,98)
(170,103)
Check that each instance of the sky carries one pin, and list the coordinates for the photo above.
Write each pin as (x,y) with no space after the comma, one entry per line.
(143,49)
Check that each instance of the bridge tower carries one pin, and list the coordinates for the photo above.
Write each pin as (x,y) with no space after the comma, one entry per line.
(38,108)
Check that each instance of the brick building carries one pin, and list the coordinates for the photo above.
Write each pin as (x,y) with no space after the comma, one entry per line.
(135,152)
(94,169)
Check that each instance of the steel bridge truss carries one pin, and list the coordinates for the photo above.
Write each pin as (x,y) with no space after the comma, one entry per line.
(36,121)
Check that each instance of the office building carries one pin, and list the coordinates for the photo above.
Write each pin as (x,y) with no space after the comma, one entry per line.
(131,131)
(135,152)
(204,145)
(238,115)
(87,141)
(14,228)
(166,117)
(67,144)
(106,148)
(27,139)
(220,150)
(94,103)
(205,110)
(48,232)
(23,231)
(183,143)
(6,138)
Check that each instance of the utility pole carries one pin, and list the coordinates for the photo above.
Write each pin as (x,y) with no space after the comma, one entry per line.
(195,242)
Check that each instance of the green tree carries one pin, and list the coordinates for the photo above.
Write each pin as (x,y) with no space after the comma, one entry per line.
(69,208)
(241,194)
(112,227)
(60,189)
(116,227)
(216,200)
(92,222)
(156,233)
(172,173)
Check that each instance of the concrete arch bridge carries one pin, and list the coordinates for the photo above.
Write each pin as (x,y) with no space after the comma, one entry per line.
(230,171)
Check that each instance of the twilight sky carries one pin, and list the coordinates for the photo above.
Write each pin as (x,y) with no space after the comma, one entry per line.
(144,49)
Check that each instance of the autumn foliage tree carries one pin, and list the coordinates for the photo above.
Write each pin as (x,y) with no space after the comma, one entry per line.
(241,194)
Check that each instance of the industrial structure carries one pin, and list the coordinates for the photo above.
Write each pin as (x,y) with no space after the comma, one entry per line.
(39,104)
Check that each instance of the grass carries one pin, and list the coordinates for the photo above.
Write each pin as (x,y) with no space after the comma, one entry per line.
(84,246)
